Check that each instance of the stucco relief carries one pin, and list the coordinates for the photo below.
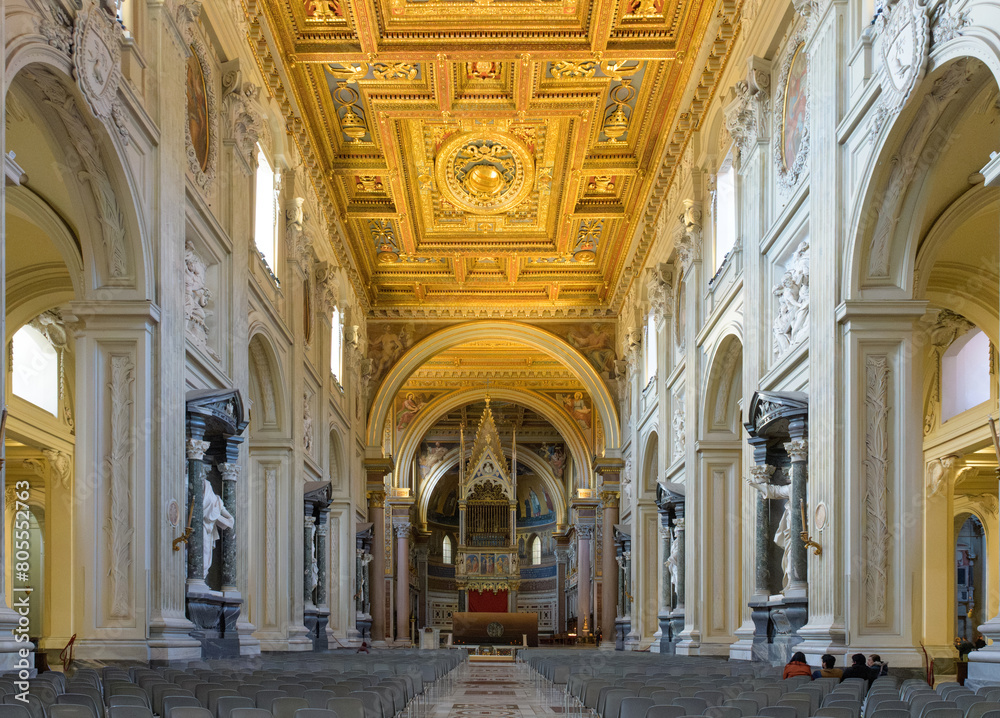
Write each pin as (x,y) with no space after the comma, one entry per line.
(876,486)
(791,322)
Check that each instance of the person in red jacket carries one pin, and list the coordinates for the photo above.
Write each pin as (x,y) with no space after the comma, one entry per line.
(797,666)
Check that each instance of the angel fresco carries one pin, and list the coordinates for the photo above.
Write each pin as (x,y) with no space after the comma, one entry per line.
(597,344)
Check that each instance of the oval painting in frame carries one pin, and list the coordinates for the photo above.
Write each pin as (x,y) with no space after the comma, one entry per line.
(197,109)
(793,114)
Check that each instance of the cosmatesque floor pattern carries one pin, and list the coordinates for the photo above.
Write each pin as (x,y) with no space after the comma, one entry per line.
(495,691)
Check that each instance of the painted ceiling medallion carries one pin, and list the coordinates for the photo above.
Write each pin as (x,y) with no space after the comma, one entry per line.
(484,172)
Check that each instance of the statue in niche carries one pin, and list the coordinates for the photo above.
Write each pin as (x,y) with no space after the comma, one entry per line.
(627,481)
(197,295)
(783,535)
(214,515)
(791,323)
(673,562)
(314,563)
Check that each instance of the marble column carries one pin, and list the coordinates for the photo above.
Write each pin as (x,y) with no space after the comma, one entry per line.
(359,569)
(322,531)
(620,559)
(366,583)
(309,536)
(665,586)
(422,555)
(402,582)
(196,448)
(584,622)
(761,474)
(230,475)
(376,571)
(609,568)
(559,619)
(798,451)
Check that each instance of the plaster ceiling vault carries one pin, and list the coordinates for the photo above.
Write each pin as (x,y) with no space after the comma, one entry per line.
(485,152)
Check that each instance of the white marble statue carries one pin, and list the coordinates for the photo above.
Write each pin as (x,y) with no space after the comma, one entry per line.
(783,535)
(313,561)
(215,515)
(673,562)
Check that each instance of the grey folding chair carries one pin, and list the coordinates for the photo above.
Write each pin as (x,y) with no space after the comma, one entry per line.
(635,707)
(345,707)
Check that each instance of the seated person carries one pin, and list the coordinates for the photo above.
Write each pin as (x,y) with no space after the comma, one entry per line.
(797,666)
(828,670)
(857,669)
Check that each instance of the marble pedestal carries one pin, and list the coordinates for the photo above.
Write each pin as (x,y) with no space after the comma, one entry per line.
(362,630)
(776,622)
(622,628)
(214,615)
(316,620)
(671,625)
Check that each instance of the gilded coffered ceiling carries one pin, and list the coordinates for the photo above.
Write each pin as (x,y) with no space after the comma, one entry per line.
(489,152)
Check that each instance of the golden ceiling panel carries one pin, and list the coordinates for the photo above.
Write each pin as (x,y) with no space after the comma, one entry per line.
(489,152)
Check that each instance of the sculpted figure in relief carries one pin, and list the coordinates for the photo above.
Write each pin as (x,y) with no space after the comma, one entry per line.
(783,535)
(197,296)
(214,516)
(791,323)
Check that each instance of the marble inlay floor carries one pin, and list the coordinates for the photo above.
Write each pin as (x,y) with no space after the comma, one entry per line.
(495,691)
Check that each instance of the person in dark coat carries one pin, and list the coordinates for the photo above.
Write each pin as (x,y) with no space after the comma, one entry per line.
(857,669)
(829,669)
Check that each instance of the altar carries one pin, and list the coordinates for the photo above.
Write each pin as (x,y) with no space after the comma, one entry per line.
(494,630)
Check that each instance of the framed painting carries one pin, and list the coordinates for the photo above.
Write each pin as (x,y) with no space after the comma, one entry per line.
(197,109)
(791,143)
(201,115)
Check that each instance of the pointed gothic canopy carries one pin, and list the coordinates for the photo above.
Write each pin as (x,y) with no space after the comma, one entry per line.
(487,460)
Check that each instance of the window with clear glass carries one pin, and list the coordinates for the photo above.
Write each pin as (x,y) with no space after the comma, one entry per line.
(336,344)
(725,212)
(35,369)
(536,551)
(965,374)
(650,347)
(266,220)
(446,550)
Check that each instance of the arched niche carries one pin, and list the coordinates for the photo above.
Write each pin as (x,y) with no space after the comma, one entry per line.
(570,432)
(265,387)
(526,334)
(724,388)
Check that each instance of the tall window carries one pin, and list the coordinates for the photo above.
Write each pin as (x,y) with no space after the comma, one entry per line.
(35,369)
(536,551)
(265,233)
(725,212)
(965,374)
(446,550)
(336,345)
(650,346)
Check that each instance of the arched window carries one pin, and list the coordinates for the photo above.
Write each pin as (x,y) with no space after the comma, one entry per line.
(650,341)
(965,374)
(446,550)
(35,369)
(725,212)
(265,233)
(536,551)
(336,345)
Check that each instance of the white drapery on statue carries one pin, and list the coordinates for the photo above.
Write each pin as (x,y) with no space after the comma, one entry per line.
(215,515)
